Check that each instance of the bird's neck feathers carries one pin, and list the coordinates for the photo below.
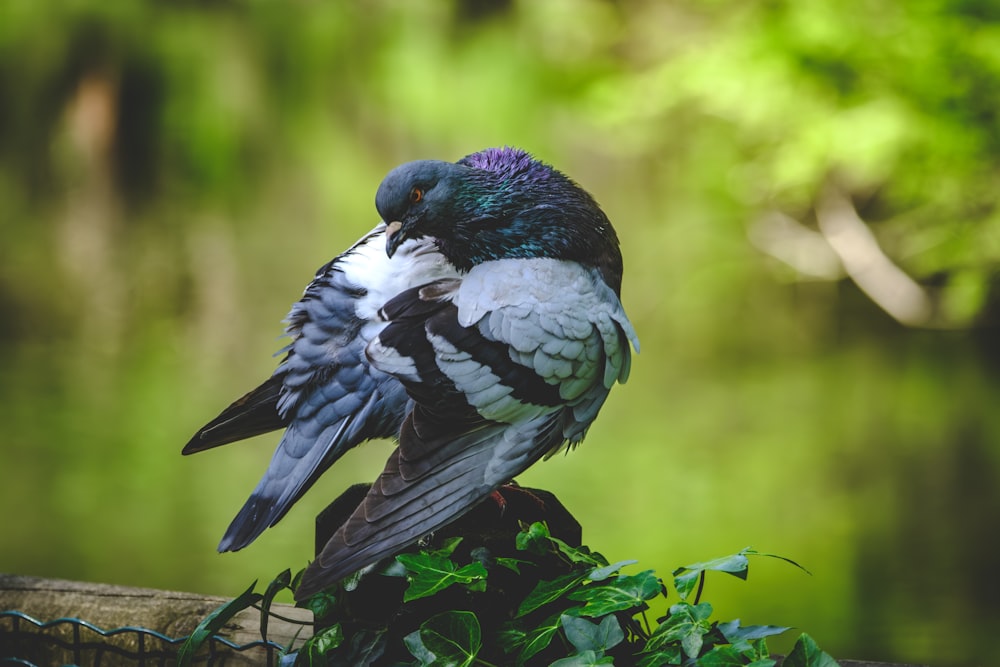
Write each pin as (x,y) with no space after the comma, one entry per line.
(513,206)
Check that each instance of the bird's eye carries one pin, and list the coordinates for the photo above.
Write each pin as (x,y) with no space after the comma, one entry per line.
(416,194)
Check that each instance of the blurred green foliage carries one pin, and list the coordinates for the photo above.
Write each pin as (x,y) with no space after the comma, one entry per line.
(172,172)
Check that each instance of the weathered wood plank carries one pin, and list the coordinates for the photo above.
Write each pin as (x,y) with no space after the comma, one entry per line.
(170,613)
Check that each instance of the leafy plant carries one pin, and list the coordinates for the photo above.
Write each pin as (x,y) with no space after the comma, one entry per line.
(555,604)
(216,620)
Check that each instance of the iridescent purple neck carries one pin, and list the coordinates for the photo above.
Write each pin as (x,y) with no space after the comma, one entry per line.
(510,163)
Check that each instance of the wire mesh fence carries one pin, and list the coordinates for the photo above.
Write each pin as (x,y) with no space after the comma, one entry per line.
(107,625)
(29,642)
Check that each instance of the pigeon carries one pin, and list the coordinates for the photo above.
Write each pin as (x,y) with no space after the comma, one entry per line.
(479,324)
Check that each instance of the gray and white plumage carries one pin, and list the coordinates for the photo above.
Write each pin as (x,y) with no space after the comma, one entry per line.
(494,344)
(324,393)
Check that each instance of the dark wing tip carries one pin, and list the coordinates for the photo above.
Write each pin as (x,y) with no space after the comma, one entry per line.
(252,414)
(196,444)
(256,516)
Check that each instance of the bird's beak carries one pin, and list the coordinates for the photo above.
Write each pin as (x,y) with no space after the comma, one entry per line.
(392,237)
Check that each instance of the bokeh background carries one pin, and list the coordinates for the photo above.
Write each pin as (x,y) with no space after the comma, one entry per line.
(806,193)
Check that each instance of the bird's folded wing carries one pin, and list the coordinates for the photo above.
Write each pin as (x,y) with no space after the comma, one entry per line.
(325,391)
(557,318)
(328,394)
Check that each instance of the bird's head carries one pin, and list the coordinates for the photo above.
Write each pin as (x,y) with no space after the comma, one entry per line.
(494,204)
(416,199)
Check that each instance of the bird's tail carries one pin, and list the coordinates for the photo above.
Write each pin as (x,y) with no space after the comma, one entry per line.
(297,463)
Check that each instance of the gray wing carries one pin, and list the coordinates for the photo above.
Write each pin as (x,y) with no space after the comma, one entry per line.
(504,367)
(325,392)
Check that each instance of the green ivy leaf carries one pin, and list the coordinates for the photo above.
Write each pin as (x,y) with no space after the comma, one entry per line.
(602,573)
(585,659)
(624,592)
(806,653)
(512,637)
(513,564)
(214,622)
(579,554)
(759,653)
(392,568)
(734,632)
(547,591)
(685,583)
(687,625)
(415,645)
(742,636)
(668,655)
(687,576)
(320,604)
(447,547)
(534,539)
(351,582)
(316,647)
(452,638)
(587,636)
(735,564)
(721,656)
(430,573)
(537,639)
(366,647)
(278,584)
